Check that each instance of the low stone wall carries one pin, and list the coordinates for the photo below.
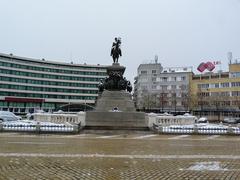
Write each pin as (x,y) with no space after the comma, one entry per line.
(80,117)
(61,118)
(169,120)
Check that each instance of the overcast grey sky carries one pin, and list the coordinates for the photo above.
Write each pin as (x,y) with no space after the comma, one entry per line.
(180,32)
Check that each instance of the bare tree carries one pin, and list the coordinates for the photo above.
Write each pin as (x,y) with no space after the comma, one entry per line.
(202,100)
(174,101)
(149,100)
(163,100)
(186,101)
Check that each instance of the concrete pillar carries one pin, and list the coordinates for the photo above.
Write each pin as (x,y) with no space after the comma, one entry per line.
(76,129)
(195,129)
(230,131)
(152,118)
(1,127)
(160,129)
(82,118)
(38,127)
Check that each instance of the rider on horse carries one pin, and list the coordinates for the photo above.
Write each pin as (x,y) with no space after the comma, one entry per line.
(116,51)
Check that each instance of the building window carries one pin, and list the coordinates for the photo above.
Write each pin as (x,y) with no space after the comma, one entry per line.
(203,86)
(223,85)
(164,79)
(204,94)
(154,79)
(183,78)
(178,94)
(226,103)
(173,87)
(235,84)
(143,72)
(179,78)
(164,87)
(174,78)
(154,71)
(225,93)
(236,103)
(215,94)
(216,85)
(235,93)
(234,74)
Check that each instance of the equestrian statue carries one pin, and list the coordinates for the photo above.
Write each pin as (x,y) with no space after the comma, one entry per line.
(115,80)
(116,51)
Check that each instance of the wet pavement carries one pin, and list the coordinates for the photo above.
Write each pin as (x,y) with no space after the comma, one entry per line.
(119,155)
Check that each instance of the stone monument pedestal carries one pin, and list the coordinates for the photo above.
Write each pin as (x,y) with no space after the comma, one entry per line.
(115,99)
(116,120)
(115,108)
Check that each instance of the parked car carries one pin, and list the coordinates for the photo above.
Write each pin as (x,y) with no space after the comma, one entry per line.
(202,120)
(231,120)
(8,116)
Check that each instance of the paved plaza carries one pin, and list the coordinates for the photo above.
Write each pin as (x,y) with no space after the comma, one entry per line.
(119,155)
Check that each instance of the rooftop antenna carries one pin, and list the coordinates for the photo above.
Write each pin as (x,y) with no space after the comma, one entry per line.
(71,61)
(229,55)
(156,59)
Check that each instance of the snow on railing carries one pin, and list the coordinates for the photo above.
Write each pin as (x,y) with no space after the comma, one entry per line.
(236,130)
(177,130)
(61,128)
(194,129)
(38,127)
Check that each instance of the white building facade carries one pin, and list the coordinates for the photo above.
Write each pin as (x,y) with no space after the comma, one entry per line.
(28,84)
(166,89)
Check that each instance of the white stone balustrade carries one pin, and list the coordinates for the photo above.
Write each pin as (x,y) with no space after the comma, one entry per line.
(61,118)
(166,120)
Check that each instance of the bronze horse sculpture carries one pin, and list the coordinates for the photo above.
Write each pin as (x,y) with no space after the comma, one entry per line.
(115,81)
(116,51)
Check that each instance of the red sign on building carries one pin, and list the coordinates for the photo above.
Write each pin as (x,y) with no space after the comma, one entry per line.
(210,66)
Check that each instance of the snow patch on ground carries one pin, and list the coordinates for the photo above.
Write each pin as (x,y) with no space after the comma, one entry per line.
(207,166)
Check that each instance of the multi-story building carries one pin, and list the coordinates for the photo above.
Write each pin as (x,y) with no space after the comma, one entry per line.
(216,94)
(28,84)
(165,89)
(143,82)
